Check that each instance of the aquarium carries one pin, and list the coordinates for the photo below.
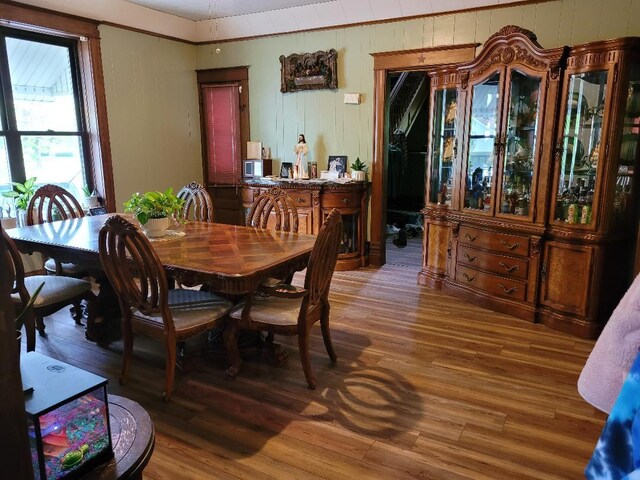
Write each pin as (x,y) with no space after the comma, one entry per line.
(67,415)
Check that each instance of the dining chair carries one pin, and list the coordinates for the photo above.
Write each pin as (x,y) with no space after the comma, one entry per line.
(285,218)
(48,204)
(290,310)
(276,201)
(57,293)
(197,203)
(148,307)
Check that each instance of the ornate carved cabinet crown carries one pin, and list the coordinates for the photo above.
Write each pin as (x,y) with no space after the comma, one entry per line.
(530,174)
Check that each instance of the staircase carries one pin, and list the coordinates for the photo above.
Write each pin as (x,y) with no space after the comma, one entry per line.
(405,100)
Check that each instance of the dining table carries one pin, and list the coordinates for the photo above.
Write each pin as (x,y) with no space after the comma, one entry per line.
(230,260)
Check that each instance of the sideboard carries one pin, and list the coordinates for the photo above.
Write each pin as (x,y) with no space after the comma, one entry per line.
(314,201)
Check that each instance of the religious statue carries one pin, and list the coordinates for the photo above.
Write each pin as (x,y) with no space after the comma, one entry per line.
(301,150)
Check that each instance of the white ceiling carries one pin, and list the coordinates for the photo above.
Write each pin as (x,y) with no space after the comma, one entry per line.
(215,20)
(206,9)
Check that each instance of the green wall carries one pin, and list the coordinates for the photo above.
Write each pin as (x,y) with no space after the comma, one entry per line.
(152,94)
(152,105)
(333,128)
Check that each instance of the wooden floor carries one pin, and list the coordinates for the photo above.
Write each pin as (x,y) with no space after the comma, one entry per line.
(426,386)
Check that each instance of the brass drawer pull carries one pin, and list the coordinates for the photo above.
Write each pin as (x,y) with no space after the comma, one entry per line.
(300,199)
(345,201)
(510,246)
(471,258)
(470,238)
(508,291)
(509,269)
(468,278)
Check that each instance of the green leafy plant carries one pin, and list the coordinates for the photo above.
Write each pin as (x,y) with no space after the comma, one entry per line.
(153,205)
(358,166)
(22,193)
(86,191)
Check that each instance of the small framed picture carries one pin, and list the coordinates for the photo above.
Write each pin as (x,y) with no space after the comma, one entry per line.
(286,170)
(98,211)
(338,163)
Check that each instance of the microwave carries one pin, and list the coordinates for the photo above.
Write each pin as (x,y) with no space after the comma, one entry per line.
(256,168)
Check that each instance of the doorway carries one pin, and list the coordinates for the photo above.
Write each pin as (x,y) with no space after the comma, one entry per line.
(407,126)
(384,64)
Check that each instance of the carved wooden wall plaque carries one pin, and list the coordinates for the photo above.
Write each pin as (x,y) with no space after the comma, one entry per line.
(309,71)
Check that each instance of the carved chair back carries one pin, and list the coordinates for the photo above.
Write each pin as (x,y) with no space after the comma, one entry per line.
(51,200)
(13,259)
(323,259)
(134,269)
(196,200)
(284,209)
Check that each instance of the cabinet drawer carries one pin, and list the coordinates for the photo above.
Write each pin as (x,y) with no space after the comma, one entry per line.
(504,287)
(501,242)
(300,199)
(341,200)
(511,267)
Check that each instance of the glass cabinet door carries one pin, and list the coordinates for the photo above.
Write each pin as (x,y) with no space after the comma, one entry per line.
(580,147)
(520,144)
(628,146)
(444,145)
(481,152)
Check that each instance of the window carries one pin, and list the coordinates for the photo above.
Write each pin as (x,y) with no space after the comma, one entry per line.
(222,127)
(43,133)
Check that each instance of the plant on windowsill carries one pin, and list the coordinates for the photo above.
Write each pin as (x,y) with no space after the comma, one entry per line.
(358,170)
(154,209)
(21,195)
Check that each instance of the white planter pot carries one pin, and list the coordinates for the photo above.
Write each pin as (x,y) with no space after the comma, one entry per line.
(359,175)
(156,227)
(21,218)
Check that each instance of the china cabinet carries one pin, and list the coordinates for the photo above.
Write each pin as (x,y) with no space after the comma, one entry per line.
(588,253)
(532,210)
(314,201)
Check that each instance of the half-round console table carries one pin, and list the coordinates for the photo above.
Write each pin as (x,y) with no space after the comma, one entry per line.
(133,438)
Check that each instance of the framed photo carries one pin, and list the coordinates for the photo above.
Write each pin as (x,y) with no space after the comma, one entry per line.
(338,163)
(286,170)
(98,211)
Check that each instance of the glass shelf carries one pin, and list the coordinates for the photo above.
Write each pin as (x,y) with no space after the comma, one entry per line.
(444,146)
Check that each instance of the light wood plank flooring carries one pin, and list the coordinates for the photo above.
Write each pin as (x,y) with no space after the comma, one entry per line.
(426,386)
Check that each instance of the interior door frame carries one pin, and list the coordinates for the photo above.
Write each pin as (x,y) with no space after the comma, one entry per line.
(383,63)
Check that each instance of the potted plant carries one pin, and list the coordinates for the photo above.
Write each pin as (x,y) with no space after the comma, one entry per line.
(358,170)
(21,196)
(153,210)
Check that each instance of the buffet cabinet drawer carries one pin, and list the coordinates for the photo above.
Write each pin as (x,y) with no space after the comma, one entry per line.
(300,199)
(501,242)
(504,287)
(341,200)
(512,267)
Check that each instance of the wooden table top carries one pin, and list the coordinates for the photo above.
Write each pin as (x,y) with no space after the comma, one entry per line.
(207,251)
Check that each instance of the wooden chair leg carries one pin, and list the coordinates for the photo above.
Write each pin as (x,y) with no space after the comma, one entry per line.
(326,334)
(77,312)
(127,351)
(91,332)
(30,331)
(40,326)
(303,346)
(170,368)
(230,337)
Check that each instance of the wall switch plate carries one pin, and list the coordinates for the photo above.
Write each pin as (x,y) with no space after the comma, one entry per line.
(352,98)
